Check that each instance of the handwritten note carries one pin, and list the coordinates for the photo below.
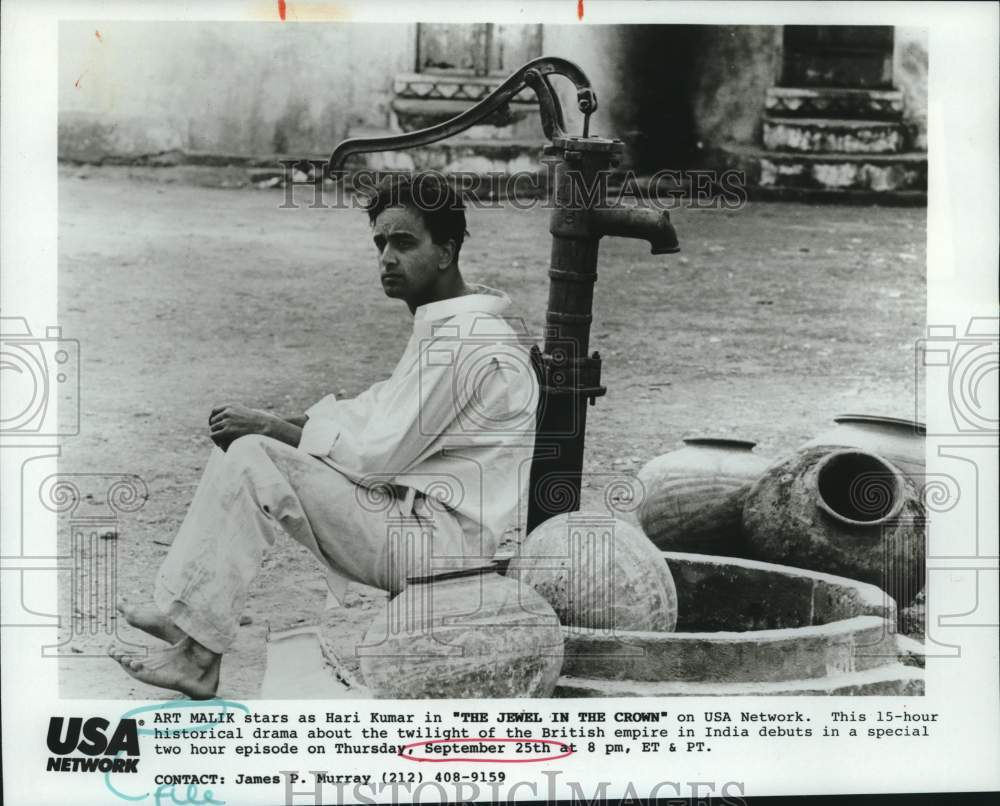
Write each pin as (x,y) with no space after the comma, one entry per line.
(169,793)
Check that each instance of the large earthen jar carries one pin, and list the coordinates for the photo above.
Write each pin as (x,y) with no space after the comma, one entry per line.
(598,572)
(693,497)
(902,442)
(842,511)
(463,634)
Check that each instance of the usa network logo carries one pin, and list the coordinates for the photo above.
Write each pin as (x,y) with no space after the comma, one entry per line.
(99,751)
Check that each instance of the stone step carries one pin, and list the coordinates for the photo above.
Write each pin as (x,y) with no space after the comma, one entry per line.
(856,198)
(473,89)
(746,621)
(796,653)
(476,150)
(894,680)
(870,173)
(424,99)
(822,135)
(412,114)
(452,156)
(824,102)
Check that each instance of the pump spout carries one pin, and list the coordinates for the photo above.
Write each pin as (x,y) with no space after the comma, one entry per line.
(633,222)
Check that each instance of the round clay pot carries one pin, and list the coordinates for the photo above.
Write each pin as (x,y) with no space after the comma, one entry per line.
(902,442)
(843,511)
(598,572)
(694,496)
(463,634)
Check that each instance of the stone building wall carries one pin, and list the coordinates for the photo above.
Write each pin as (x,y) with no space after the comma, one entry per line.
(258,89)
(232,89)
(909,69)
(643,77)
(733,67)
(599,50)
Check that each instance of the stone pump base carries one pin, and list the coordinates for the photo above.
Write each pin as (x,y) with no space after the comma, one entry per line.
(750,628)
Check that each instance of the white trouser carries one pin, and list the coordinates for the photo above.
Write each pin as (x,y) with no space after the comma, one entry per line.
(260,487)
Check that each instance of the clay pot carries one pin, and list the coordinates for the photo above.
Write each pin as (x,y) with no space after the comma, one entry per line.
(463,634)
(598,572)
(902,442)
(843,511)
(694,496)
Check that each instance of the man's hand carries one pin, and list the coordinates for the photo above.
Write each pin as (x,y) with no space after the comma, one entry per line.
(230,422)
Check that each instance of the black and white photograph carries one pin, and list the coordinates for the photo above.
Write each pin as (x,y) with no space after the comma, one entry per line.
(365,372)
(590,358)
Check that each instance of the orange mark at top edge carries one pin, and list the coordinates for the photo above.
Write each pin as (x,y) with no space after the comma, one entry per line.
(281,9)
(579,9)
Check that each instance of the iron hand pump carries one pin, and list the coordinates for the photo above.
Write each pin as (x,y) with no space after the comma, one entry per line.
(581,216)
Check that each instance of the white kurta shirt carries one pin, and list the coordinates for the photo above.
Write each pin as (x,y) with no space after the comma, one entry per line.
(455,420)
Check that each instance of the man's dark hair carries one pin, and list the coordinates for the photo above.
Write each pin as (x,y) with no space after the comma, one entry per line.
(429,193)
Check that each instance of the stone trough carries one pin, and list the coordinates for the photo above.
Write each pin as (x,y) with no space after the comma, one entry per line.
(750,628)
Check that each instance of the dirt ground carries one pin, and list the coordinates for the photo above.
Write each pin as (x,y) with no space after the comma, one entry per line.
(772,320)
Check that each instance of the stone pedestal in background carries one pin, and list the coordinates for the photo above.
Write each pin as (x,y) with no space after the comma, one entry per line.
(838,122)
(839,140)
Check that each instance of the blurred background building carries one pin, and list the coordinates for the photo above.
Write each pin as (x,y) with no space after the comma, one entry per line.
(827,111)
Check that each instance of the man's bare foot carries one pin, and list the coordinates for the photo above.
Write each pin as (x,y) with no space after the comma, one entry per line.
(149,619)
(187,667)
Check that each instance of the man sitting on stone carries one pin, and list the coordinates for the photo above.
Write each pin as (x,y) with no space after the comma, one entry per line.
(446,441)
